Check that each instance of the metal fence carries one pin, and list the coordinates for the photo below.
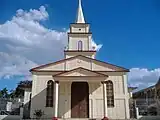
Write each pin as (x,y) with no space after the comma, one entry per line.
(146,107)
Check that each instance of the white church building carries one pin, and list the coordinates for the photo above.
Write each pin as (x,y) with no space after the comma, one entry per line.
(80,86)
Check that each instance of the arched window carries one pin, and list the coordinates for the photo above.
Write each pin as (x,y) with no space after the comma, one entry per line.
(49,95)
(80,45)
(110,94)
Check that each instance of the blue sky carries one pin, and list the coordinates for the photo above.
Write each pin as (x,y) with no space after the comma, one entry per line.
(127,29)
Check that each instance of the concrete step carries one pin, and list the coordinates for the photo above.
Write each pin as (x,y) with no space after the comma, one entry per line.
(64,119)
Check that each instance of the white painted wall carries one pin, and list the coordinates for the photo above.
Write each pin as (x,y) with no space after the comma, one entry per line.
(38,100)
(73,42)
(79,28)
(95,101)
(27,94)
(79,62)
(9,106)
(95,98)
(74,37)
(119,79)
(87,54)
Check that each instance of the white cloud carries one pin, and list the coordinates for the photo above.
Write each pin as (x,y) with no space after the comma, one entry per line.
(97,47)
(33,14)
(14,65)
(24,41)
(142,77)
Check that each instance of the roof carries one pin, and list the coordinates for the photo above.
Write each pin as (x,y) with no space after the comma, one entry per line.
(25,84)
(80,51)
(132,88)
(120,69)
(158,83)
(145,89)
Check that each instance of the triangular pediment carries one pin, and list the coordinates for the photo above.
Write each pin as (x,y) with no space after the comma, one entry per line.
(80,72)
(80,61)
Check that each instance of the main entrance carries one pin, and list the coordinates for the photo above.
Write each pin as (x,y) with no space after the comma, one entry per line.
(80,100)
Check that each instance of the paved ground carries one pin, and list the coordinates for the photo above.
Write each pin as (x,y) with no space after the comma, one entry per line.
(150,118)
(10,117)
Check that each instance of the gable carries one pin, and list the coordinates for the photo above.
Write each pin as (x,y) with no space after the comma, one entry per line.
(55,67)
(79,61)
(80,72)
(94,64)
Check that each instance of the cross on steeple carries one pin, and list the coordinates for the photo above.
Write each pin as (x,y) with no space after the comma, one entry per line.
(80,16)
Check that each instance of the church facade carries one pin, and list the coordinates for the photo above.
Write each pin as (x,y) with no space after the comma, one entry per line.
(79,86)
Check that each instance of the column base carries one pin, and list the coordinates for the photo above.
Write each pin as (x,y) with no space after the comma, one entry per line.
(54,118)
(105,118)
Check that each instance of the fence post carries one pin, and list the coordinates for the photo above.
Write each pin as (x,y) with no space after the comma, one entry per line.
(21,112)
(137,113)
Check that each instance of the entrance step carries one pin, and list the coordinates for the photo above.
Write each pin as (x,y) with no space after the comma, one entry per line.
(76,119)
(92,119)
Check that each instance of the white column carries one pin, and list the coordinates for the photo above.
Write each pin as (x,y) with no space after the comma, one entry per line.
(127,113)
(105,99)
(56,96)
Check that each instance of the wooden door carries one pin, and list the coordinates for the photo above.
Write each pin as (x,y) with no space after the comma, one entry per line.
(79,100)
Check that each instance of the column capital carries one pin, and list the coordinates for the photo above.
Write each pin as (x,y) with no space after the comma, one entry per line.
(103,82)
(56,82)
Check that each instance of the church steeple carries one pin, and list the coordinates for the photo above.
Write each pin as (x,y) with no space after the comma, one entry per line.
(80,37)
(80,16)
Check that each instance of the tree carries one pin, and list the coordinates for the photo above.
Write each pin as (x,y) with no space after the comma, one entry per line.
(1,95)
(25,83)
(18,92)
(12,94)
(4,93)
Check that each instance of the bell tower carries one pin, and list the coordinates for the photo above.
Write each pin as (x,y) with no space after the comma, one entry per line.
(80,37)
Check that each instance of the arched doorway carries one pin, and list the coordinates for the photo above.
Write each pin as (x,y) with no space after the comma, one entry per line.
(80,100)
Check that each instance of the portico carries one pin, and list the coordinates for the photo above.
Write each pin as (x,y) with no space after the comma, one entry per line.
(80,93)
(79,101)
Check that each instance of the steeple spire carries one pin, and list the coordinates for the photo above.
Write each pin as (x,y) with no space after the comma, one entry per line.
(80,16)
